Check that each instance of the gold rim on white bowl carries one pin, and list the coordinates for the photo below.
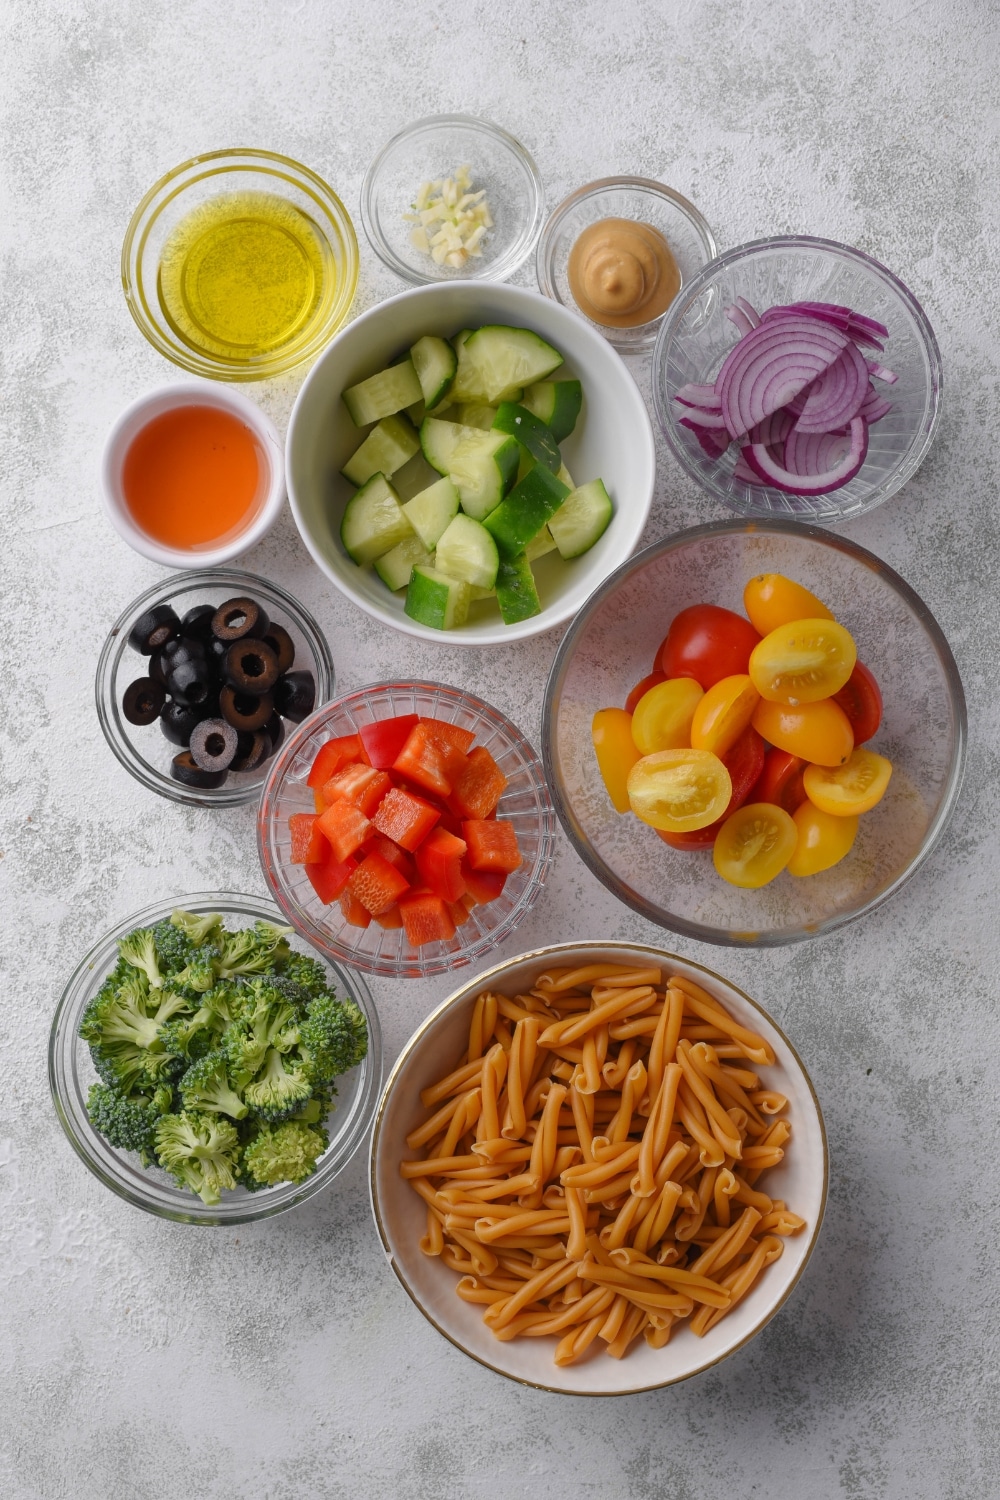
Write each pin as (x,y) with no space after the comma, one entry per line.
(529,1361)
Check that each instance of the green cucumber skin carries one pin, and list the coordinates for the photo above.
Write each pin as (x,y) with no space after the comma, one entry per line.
(530,504)
(435,363)
(383,394)
(434,600)
(582,520)
(517,596)
(557,403)
(530,432)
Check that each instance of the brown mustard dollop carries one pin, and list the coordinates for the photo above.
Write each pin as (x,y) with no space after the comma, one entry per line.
(622,273)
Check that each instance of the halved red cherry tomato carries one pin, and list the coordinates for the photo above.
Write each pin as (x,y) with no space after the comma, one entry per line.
(641,688)
(781,781)
(707,643)
(744,763)
(861,700)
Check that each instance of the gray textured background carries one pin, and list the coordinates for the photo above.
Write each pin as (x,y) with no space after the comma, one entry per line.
(139,1359)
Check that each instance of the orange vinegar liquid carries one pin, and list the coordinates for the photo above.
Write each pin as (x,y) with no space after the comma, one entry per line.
(193,477)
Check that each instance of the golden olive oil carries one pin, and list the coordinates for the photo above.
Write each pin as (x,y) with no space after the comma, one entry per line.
(243,275)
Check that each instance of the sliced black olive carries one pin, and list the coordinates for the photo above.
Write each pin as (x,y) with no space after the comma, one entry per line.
(238,618)
(216,653)
(178,720)
(190,682)
(276,732)
(198,622)
(254,749)
(282,645)
(158,665)
(182,648)
(250,666)
(244,712)
(143,700)
(184,770)
(153,629)
(295,696)
(213,745)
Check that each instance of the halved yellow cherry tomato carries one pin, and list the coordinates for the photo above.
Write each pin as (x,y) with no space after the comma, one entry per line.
(661,720)
(822,842)
(611,732)
(803,662)
(818,732)
(771,600)
(723,713)
(678,791)
(850,789)
(754,845)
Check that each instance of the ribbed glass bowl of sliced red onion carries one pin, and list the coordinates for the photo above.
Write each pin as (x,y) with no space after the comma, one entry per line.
(797,377)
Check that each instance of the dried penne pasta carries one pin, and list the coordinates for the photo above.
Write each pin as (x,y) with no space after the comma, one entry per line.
(589,1165)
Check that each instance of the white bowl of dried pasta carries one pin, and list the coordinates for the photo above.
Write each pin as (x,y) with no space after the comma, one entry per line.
(633,1163)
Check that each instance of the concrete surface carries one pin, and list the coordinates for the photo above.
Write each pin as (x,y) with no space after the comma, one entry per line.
(139,1359)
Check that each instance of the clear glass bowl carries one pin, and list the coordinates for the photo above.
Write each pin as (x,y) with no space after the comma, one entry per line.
(696,336)
(525,805)
(190,186)
(611,646)
(71,1073)
(642,200)
(434,148)
(142,749)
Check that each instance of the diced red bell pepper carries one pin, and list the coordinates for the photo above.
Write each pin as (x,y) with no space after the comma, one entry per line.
(377,843)
(329,878)
(461,910)
(345,826)
(426,919)
(405,818)
(482,885)
(451,734)
(429,759)
(333,755)
(439,864)
(390,920)
(384,740)
(362,785)
(354,913)
(478,787)
(309,847)
(492,844)
(319,801)
(377,884)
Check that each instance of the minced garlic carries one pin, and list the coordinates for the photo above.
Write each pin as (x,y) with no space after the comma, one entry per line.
(450,219)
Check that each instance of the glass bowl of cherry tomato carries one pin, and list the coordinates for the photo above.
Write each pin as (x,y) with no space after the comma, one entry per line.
(406,827)
(754,732)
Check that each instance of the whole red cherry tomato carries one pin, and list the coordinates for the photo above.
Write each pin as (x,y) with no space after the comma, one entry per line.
(744,762)
(707,643)
(641,688)
(861,700)
(780,781)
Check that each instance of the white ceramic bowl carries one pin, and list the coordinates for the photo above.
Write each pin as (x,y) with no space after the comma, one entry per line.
(613,441)
(400,1215)
(167,398)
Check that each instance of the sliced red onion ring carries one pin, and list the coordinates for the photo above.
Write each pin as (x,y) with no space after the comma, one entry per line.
(881,373)
(874,407)
(812,453)
(780,477)
(700,416)
(699,395)
(770,366)
(739,320)
(713,443)
(750,312)
(837,395)
(743,471)
(855,325)
(774,429)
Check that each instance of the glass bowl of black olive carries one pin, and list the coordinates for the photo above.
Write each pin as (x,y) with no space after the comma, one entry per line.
(201,677)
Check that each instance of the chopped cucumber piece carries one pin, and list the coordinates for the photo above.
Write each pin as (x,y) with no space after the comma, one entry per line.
(516,593)
(435,363)
(563,473)
(482,465)
(473,414)
(415,475)
(557,403)
(383,394)
(386,449)
(460,337)
(430,512)
(476,594)
(525,464)
(540,545)
(373,521)
(467,551)
(395,566)
(525,511)
(436,600)
(581,519)
(530,432)
(496,362)
(417,412)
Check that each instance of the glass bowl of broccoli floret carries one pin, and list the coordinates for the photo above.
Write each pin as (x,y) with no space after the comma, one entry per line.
(207,1067)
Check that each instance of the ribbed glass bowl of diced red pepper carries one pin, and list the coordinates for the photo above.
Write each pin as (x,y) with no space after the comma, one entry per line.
(406,827)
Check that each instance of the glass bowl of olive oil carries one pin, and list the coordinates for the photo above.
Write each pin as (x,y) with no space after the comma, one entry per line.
(240,264)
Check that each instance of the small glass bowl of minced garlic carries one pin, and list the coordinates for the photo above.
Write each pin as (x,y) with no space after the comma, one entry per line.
(452,198)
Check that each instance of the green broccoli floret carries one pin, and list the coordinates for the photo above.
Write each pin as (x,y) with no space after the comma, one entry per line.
(128,1124)
(266,1020)
(139,950)
(282,1087)
(197,930)
(201,1152)
(205,1086)
(316,1109)
(283,1153)
(302,978)
(129,1012)
(199,974)
(191,1037)
(252,950)
(122,1067)
(174,949)
(334,1037)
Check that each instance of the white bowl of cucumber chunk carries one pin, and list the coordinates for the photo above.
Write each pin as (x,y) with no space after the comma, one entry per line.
(467,462)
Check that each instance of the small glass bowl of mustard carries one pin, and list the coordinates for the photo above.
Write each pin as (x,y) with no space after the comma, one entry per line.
(618,251)
(239,264)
